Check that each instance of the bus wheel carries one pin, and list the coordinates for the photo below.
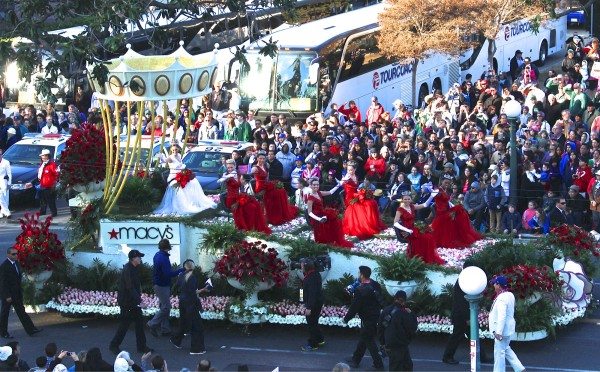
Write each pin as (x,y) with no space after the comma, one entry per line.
(543,53)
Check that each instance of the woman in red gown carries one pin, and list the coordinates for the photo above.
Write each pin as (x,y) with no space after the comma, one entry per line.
(361,218)
(248,214)
(451,226)
(327,227)
(275,200)
(420,244)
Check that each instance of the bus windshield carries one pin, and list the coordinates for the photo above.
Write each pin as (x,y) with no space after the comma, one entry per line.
(283,83)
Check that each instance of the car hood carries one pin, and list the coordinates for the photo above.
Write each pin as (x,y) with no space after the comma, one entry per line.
(23,173)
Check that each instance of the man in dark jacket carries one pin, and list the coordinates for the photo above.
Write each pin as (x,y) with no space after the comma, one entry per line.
(496,200)
(397,327)
(312,291)
(161,278)
(460,322)
(11,294)
(367,304)
(129,298)
(275,167)
(190,308)
(558,214)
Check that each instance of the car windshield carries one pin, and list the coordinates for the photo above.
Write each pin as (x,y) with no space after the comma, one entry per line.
(143,155)
(203,162)
(26,153)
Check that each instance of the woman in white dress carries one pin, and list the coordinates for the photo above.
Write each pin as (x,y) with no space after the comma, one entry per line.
(182,201)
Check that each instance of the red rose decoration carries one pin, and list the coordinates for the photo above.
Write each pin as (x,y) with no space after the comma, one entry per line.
(37,248)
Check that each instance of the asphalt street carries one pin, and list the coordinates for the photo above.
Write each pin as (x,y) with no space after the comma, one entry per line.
(265,347)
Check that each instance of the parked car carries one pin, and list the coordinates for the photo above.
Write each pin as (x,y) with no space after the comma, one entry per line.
(205,160)
(24,157)
(576,18)
(158,157)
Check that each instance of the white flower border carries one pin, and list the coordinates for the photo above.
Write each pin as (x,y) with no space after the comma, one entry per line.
(566,318)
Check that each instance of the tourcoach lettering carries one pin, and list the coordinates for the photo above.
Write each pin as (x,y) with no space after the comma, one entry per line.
(390,74)
(145,233)
(517,29)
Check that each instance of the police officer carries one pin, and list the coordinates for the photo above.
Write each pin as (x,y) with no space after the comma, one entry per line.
(129,298)
(313,302)
(367,304)
(397,327)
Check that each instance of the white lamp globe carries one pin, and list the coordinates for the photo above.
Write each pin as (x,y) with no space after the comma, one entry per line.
(472,280)
(512,109)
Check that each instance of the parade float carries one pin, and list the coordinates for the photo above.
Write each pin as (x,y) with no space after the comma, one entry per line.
(550,275)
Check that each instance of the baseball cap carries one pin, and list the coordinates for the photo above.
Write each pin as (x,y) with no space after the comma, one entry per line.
(45,152)
(500,280)
(135,253)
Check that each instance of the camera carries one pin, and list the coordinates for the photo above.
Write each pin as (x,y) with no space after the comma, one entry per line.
(352,287)
(322,263)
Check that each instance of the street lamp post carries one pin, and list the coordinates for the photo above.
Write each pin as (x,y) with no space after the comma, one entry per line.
(472,280)
(512,109)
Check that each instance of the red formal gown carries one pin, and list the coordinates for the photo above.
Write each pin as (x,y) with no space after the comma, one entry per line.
(452,226)
(277,206)
(419,244)
(330,231)
(249,214)
(361,218)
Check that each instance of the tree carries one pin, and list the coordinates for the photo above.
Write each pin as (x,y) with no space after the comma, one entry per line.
(25,27)
(412,30)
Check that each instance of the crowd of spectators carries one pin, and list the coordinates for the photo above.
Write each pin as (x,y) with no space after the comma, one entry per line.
(462,135)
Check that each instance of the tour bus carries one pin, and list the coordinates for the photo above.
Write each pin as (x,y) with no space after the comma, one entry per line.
(519,35)
(335,60)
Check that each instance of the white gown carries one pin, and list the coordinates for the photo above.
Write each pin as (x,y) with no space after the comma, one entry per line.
(182,201)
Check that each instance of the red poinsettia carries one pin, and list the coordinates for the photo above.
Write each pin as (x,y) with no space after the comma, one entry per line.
(524,280)
(575,238)
(251,263)
(141,174)
(84,159)
(38,249)
(184,177)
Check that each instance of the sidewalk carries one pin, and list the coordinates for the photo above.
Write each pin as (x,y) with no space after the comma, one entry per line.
(64,214)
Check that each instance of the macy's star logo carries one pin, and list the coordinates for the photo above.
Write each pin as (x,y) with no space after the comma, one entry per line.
(114,234)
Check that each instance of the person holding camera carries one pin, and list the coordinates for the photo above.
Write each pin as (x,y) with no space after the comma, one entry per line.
(397,327)
(312,290)
(366,303)
(189,309)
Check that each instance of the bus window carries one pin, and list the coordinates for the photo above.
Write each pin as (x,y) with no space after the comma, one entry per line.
(295,91)
(553,38)
(256,81)
(362,56)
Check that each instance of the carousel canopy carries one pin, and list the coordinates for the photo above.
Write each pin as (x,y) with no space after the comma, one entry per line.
(135,77)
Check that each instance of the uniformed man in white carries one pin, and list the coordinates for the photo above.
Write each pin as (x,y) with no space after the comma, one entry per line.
(5,181)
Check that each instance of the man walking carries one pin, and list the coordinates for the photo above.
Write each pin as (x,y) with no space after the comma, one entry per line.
(460,324)
(312,290)
(129,299)
(11,292)
(161,278)
(397,327)
(5,181)
(367,304)
(502,325)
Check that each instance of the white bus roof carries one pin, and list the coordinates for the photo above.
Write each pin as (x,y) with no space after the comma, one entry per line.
(311,35)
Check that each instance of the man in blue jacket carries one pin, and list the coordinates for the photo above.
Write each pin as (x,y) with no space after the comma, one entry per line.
(161,278)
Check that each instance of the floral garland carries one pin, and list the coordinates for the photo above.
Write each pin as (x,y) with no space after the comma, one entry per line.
(183,178)
(574,236)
